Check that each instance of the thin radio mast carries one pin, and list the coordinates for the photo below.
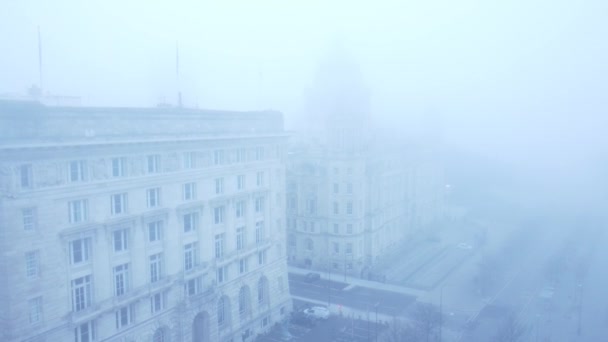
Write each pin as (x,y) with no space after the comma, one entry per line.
(179,92)
(39,59)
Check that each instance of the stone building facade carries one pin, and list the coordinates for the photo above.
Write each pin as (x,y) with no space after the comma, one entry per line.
(352,194)
(125,224)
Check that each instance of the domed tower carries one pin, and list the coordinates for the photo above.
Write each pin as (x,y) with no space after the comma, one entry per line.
(338,104)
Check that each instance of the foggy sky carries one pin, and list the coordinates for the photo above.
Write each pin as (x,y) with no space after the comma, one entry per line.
(520,81)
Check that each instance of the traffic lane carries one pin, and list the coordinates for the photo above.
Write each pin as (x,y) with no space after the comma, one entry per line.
(390,303)
(333,329)
(519,291)
(325,283)
(360,298)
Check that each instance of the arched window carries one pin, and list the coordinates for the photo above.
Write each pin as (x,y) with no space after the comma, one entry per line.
(221,314)
(309,244)
(159,335)
(263,291)
(244,301)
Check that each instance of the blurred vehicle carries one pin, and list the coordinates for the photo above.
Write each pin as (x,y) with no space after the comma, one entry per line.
(547,293)
(312,277)
(302,319)
(317,312)
(463,245)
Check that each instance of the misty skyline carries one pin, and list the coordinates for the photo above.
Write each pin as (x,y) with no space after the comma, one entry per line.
(518,81)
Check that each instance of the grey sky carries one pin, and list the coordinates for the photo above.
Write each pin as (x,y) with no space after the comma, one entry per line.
(519,79)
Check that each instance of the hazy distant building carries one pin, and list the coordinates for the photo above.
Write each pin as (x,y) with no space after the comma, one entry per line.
(351,196)
(128,224)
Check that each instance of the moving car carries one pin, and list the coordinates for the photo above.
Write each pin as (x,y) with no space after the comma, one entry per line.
(317,312)
(463,245)
(312,277)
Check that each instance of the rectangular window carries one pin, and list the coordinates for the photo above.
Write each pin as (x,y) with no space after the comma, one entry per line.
(118,203)
(219,246)
(189,191)
(240,209)
(124,316)
(193,286)
(32,264)
(349,188)
(80,251)
(153,197)
(29,218)
(259,180)
(190,222)
(219,186)
(241,155)
(119,167)
(259,204)
(311,205)
(222,274)
(336,209)
(291,202)
(349,248)
(312,227)
(259,153)
(349,208)
(218,157)
(336,188)
(336,247)
(259,232)
(155,230)
(336,228)
(81,293)
(349,228)
(78,211)
(280,284)
(218,215)
(85,332)
(190,256)
(77,170)
(189,160)
(262,257)
(243,266)
(292,240)
(35,310)
(120,240)
(156,267)
(157,302)
(240,182)
(121,279)
(25,176)
(240,238)
(153,163)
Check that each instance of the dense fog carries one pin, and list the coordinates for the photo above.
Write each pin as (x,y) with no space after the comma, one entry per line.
(496,110)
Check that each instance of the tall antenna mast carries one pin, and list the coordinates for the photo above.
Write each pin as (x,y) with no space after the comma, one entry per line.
(179,92)
(39,59)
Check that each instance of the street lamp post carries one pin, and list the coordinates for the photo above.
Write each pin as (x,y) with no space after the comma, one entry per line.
(580,308)
(376,306)
(441,315)
(329,285)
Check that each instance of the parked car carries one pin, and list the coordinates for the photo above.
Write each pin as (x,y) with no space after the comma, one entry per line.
(317,312)
(463,245)
(312,277)
(302,319)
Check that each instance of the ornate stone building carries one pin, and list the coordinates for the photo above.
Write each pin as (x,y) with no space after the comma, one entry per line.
(128,224)
(352,195)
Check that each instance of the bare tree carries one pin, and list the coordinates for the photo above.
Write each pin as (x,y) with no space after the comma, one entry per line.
(401,331)
(428,319)
(511,330)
